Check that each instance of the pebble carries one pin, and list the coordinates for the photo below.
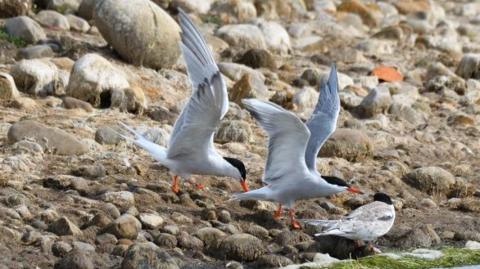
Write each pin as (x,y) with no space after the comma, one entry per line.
(431,179)
(53,20)
(350,144)
(36,51)
(64,226)
(245,36)
(242,247)
(150,221)
(106,135)
(74,260)
(147,255)
(233,131)
(126,226)
(52,139)
(122,199)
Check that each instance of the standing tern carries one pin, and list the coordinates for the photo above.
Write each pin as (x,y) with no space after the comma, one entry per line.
(191,150)
(365,223)
(290,170)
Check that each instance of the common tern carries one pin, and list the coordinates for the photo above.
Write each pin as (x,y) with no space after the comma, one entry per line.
(365,223)
(290,171)
(191,150)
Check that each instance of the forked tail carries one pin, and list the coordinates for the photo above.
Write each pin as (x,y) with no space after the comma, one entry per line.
(263,193)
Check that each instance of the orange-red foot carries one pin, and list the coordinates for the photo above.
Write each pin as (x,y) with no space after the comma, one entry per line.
(175,187)
(199,186)
(296,225)
(293,221)
(278,213)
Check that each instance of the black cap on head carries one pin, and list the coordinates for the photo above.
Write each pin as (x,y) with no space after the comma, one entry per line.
(335,181)
(239,165)
(382,197)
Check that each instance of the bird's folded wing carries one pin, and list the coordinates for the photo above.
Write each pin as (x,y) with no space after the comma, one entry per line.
(287,138)
(323,121)
(193,131)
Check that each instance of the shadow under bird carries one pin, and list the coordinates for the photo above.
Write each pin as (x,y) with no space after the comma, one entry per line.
(191,150)
(290,171)
(365,223)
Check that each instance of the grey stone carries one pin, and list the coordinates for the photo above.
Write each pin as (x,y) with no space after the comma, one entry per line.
(245,36)
(37,51)
(147,255)
(242,247)
(52,139)
(122,199)
(431,179)
(469,66)
(74,260)
(166,240)
(77,23)
(233,131)
(74,103)
(126,226)
(53,20)
(140,31)
(25,28)
(349,144)
(64,226)
(107,136)
(377,101)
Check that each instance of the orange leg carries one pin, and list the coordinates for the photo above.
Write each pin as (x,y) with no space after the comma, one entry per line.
(199,186)
(294,222)
(278,213)
(175,187)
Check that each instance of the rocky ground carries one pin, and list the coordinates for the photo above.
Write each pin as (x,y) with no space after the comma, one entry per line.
(75,195)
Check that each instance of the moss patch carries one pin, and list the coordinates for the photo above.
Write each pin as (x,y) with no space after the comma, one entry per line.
(19,42)
(452,257)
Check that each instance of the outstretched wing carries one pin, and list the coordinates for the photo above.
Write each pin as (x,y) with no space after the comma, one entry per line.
(323,121)
(287,138)
(193,131)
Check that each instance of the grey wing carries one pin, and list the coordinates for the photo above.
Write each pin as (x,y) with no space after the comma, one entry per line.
(193,131)
(287,138)
(375,211)
(323,121)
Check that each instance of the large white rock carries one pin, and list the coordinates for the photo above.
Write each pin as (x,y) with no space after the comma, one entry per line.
(91,76)
(140,31)
(245,36)
(36,76)
(8,90)
(276,37)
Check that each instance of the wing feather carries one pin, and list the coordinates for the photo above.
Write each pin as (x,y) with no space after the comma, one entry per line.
(287,138)
(323,121)
(193,131)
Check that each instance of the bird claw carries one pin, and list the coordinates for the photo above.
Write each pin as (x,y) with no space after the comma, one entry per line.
(296,225)
(199,186)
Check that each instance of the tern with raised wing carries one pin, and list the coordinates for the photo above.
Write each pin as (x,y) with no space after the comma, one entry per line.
(290,171)
(191,150)
(365,223)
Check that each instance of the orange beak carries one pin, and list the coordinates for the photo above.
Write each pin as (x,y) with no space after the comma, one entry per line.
(354,190)
(244,185)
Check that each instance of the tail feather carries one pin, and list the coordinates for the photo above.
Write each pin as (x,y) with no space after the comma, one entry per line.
(258,194)
(330,232)
(158,152)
